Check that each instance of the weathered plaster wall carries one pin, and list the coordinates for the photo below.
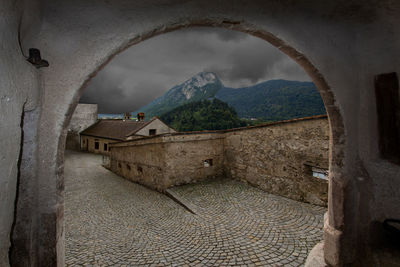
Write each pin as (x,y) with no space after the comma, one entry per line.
(161,128)
(84,116)
(19,90)
(164,161)
(88,144)
(276,158)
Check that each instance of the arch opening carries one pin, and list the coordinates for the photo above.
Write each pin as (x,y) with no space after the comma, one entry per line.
(334,117)
(335,121)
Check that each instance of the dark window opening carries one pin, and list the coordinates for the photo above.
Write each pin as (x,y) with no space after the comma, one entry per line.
(140,169)
(105,147)
(96,144)
(128,167)
(208,163)
(119,165)
(152,132)
(388,110)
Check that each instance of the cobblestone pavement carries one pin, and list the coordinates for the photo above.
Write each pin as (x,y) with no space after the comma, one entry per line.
(110,221)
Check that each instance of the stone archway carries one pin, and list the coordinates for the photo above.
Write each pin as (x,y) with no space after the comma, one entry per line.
(334,115)
(77,41)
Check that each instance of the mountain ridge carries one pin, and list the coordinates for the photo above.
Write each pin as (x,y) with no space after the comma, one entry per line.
(271,100)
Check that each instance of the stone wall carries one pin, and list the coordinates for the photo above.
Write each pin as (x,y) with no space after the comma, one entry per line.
(164,161)
(83,116)
(193,157)
(276,157)
(142,161)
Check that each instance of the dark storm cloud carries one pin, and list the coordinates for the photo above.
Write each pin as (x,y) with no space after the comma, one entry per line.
(248,66)
(147,70)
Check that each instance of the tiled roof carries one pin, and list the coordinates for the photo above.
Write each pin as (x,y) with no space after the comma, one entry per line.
(114,129)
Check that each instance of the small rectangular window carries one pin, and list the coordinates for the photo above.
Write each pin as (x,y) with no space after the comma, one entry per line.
(152,132)
(96,144)
(105,147)
(320,173)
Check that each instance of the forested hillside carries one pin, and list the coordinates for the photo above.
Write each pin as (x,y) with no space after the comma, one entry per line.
(203,115)
(274,100)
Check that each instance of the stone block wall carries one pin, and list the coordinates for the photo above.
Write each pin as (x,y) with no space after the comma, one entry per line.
(278,158)
(164,161)
(193,157)
(275,157)
(142,161)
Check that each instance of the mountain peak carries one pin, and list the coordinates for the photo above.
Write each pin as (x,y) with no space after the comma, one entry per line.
(201,79)
(203,85)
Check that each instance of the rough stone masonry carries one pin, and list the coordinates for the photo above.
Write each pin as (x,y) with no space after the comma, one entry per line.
(276,157)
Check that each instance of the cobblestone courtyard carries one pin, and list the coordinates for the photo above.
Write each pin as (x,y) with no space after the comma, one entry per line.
(110,221)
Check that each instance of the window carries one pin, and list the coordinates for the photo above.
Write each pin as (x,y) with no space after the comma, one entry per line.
(96,144)
(105,147)
(320,173)
(140,169)
(152,132)
(208,163)
(388,108)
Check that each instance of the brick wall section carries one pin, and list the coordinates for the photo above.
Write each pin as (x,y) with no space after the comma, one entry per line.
(275,157)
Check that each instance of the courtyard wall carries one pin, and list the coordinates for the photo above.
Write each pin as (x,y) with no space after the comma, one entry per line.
(167,160)
(279,158)
(276,157)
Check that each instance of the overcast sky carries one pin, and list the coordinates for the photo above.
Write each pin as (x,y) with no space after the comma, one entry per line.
(147,70)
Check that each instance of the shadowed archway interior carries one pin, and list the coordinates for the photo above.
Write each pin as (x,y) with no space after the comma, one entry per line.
(341,49)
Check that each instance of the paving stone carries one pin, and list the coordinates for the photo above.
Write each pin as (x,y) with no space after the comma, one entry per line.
(110,221)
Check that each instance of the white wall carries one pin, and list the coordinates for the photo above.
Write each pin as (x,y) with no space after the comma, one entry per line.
(157,124)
